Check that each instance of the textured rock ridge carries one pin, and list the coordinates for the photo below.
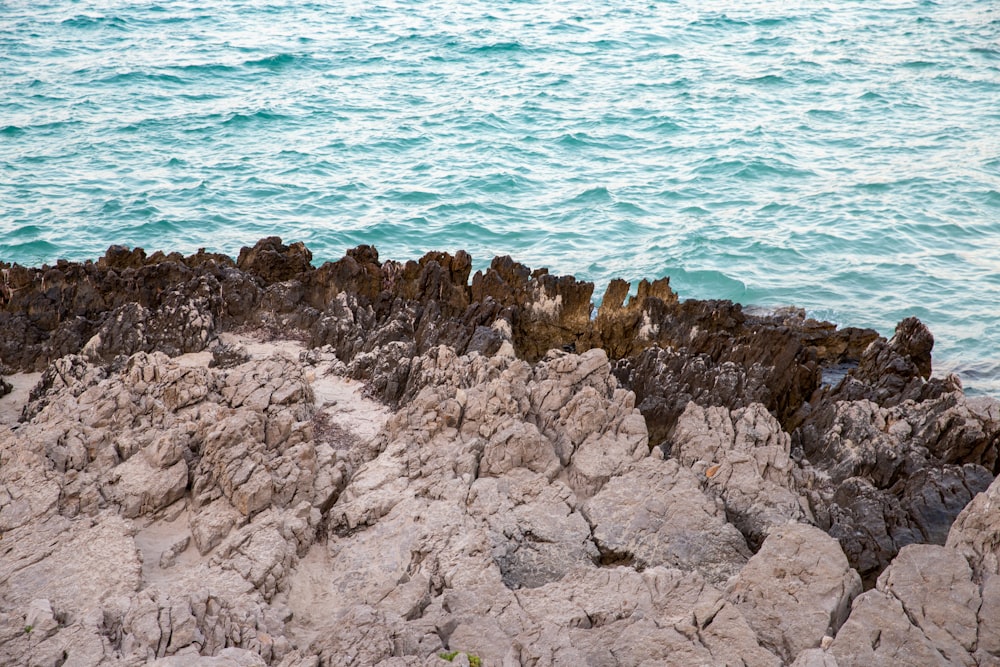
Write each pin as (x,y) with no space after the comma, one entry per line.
(371,462)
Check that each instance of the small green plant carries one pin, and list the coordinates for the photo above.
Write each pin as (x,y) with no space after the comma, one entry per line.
(474,660)
(28,629)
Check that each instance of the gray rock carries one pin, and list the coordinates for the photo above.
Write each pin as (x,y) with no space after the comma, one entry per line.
(988,645)
(655,514)
(976,533)
(797,589)
(878,634)
(815,657)
(227,657)
(509,509)
(934,585)
(40,621)
(745,458)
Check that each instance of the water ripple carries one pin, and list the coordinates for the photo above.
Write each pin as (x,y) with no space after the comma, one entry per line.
(845,161)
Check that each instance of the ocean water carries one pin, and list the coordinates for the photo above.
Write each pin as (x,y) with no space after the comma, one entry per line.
(842,157)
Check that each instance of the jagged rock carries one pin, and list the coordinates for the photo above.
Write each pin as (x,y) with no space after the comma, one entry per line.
(272,261)
(934,585)
(228,657)
(211,523)
(797,589)
(168,557)
(98,556)
(228,356)
(744,457)
(890,372)
(142,488)
(41,620)
(536,531)
(976,533)
(815,657)
(988,644)
(122,333)
(361,635)
(54,311)
(900,475)
(878,633)
(666,381)
(925,609)
(253,511)
(870,524)
(655,514)
(933,497)
(552,312)
(618,616)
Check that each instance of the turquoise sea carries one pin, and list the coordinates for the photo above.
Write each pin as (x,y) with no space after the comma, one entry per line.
(843,157)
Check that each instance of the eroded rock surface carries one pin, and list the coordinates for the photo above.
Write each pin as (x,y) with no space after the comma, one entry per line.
(666,482)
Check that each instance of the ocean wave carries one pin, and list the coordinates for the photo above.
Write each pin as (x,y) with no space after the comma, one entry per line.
(259,116)
(502,47)
(608,139)
(594,195)
(131,77)
(87,22)
(277,61)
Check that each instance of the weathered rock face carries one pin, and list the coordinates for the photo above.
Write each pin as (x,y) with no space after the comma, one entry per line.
(924,610)
(744,456)
(128,302)
(663,483)
(797,589)
(900,456)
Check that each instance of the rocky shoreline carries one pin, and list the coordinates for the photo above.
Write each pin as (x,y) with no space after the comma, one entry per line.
(260,462)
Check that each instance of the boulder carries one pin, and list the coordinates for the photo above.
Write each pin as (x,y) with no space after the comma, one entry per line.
(744,457)
(796,590)
(655,513)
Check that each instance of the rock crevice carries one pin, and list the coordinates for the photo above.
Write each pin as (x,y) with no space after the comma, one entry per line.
(259,462)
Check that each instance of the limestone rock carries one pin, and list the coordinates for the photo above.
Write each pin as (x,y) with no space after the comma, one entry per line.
(744,457)
(100,558)
(797,589)
(934,585)
(879,634)
(228,657)
(815,657)
(550,488)
(976,532)
(988,645)
(537,532)
(656,514)
(40,620)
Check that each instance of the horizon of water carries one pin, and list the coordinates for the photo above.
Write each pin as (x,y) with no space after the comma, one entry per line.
(844,159)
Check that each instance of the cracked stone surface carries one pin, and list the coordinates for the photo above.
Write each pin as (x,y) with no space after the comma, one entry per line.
(261,462)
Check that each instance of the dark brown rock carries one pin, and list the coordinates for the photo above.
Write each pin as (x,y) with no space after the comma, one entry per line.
(665,381)
(885,458)
(933,497)
(892,371)
(871,526)
(272,261)
(358,273)
(548,312)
